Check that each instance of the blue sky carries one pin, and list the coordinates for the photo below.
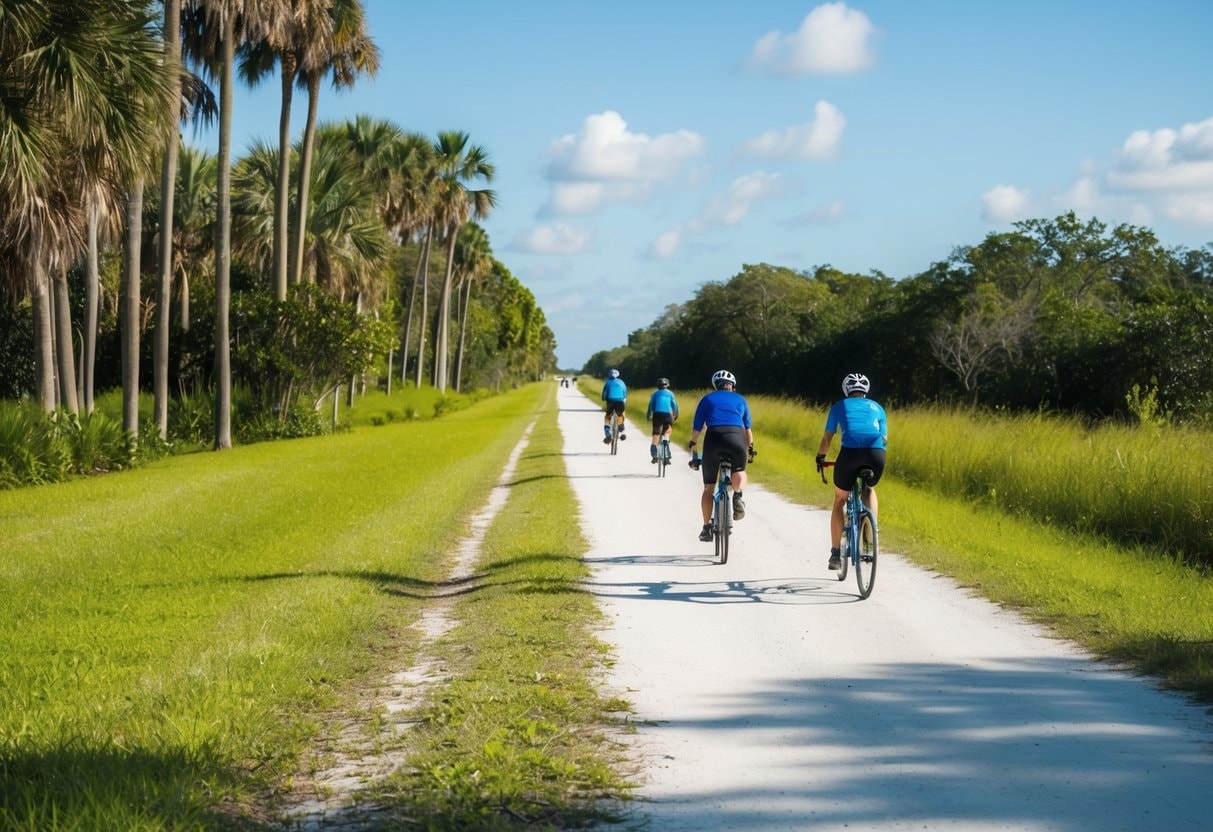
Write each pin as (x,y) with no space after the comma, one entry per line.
(646,148)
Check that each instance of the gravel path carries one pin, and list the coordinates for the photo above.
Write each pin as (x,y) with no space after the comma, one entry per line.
(769,697)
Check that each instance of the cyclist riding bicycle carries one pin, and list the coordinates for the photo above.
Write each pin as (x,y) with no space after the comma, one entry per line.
(865,433)
(663,410)
(615,394)
(724,418)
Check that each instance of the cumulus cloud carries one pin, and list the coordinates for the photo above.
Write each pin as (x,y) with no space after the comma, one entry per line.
(559,238)
(834,38)
(819,139)
(1166,160)
(726,208)
(605,162)
(1004,203)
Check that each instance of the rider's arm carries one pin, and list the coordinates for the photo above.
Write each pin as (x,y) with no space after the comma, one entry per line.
(826,439)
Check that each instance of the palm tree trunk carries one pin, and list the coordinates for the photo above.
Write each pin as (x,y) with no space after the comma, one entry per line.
(65,354)
(185,301)
(92,305)
(305,177)
(129,311)
(223,245)
(408,326)
(282,188)
(168,188)
(441,356)
(463,328)
(44,345)
(425,301)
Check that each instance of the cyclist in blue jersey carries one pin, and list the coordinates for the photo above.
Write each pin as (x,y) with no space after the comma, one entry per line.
(865,433)
(615,394)
(663,410)
(723,416)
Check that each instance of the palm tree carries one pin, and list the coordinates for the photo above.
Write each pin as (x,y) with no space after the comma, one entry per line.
(287,45)
(193,222)
(474,257)
(458,163)
(345,50)
(214,28)
(83,92)
(168,181)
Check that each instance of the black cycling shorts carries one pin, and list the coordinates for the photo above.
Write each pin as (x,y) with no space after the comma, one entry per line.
(662,422)
(850,460)
(731,440)
(615,406)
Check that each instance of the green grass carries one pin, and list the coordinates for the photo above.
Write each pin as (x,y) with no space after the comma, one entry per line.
(171,632)
(516,739)
(406,404)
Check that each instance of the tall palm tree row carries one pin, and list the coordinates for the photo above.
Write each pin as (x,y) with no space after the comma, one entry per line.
(72,175)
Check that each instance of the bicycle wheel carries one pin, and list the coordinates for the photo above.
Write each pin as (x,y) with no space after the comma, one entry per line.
(614,437)
(869,547)
(724,527)
(845,562)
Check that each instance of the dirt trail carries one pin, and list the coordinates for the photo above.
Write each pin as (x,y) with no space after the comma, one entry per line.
(769,697)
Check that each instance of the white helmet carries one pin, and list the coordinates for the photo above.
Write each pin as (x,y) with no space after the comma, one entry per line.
(723,377)
(856,381)
(613,374)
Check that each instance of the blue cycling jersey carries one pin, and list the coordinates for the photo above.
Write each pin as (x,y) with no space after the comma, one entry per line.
(662,401)
(722,408)
(614,390)
(862,422)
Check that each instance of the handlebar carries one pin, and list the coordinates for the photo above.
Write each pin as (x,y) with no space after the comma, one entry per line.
(821,469)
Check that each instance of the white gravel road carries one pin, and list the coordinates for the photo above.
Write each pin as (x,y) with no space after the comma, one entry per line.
(769,697)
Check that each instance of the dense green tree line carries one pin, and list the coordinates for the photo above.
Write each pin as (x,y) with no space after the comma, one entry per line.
(1061,314)
(123,249)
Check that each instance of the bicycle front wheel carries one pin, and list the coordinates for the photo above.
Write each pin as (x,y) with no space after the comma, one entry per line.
(869,547)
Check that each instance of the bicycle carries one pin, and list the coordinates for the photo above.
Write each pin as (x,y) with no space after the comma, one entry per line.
(663,456)
(860,542)
(722,504)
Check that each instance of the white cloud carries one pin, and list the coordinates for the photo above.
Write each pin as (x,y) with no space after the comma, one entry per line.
(606,150)
(819,139)
(1189,209)
(559,238)
(726,208)
(1166,160)
(1004,203)
(832,39)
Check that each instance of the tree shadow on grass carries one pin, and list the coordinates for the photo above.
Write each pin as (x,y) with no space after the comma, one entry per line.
(74,786)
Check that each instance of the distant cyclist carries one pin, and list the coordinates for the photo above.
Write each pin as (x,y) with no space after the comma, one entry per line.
(865,433)
(615,394)
(723,416)
(663,410)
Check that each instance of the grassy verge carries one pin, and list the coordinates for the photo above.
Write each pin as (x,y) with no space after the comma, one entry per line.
(170,632)
(516,739)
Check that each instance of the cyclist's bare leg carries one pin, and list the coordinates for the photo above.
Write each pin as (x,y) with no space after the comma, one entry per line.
(705,502)
(869,500)
(739,480)
(836,517)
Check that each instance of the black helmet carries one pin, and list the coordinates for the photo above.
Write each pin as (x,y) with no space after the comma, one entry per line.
(663,383)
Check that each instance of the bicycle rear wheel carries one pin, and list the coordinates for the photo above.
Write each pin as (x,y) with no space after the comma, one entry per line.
(869,547)
(723,517)
(614,437)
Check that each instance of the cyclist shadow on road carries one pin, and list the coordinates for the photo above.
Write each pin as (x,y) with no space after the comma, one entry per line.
(764,591)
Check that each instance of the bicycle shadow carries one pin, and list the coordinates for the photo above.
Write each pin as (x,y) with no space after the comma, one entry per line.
(795,591)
